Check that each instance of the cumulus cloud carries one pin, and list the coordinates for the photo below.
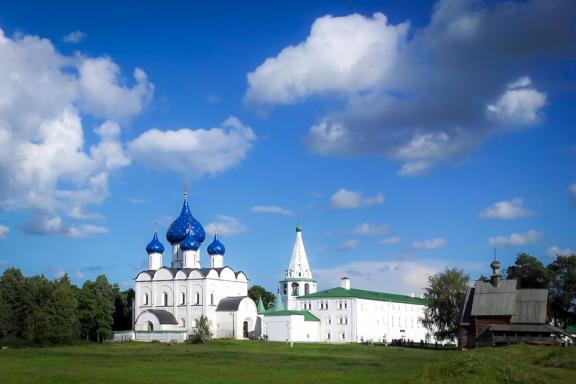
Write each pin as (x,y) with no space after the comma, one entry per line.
(342,54)
(3,231)
(194,152)
(74,37)
(47,165)
(505,210)
(429,244)
(227,226)
(557,251)
(519,104)
(366,229)
(271,209)
(348,245)
(532,236)
(390,240)
(346,199)
(432,95)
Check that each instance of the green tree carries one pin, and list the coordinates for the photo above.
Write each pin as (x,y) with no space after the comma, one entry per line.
(445,294)
(123,310)
(562,288)
(529,272)
(16,303)
(63,312)
(202,332)
(96,308)
(257,291)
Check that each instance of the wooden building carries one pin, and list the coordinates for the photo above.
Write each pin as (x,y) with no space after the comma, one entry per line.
(496,312)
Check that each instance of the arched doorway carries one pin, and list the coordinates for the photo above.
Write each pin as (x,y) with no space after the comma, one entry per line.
(150,326)
(245,330)
(295,289)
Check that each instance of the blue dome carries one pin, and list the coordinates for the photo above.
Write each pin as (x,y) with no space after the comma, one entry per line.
(216,247)
(190,242)
(155,246)
(183,224)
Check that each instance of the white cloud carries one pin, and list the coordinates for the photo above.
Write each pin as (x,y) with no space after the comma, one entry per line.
(135,200)
(227,226)
(573,190)
(54,225)
(103,96)
(401,277)
(271,209)
(3,231)
(504,210)
(194,152)
(74,37)
(557,251)
(346,199)
(348,245)
(417,168)
(390,240)
(46,164)
(429,243)
(411,96)
(529,237)
(366,229)
(520,104)
(344,54)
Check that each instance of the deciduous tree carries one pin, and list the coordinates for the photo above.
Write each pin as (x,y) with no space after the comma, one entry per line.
(445,294)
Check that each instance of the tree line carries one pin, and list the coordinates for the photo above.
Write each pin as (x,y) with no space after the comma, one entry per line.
(446,291)
(36,310)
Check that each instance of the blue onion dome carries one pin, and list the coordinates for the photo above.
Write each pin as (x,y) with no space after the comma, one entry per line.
(216,247)
(155,246)
(183,224)
(190,242)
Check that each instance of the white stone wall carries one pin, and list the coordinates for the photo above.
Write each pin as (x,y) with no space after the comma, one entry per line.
(188,297)
(291,328)
(357,320)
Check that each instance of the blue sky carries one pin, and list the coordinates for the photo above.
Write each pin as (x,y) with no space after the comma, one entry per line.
(405,136)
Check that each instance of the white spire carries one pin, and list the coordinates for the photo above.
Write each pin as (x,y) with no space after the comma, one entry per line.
(299,263)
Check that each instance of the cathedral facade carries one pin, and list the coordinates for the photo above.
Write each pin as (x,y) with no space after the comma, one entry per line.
(169,299)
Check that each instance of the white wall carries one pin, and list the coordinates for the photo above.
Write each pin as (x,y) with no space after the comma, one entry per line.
(356,320)
(291,328)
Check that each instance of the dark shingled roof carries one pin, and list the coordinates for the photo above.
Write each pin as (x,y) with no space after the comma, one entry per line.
(494,301)
(524,328)
(230,304)
(164,317)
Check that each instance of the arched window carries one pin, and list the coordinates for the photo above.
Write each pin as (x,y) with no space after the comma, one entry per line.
(145,299)
(306,288)
(295,288)
(182,298)
(165,299)
(183,322)
(285,288)
(197,298)
(211,299)
(150,326)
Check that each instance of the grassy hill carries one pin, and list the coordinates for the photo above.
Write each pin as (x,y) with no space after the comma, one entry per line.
(257,362)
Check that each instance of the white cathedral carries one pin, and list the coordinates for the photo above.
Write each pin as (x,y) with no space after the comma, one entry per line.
(169,300)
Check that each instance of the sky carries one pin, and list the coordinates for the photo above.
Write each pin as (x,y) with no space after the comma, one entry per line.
(406,137)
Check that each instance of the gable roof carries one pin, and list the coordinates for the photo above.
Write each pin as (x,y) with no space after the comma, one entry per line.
(307,315)
(490,300)
(362,294)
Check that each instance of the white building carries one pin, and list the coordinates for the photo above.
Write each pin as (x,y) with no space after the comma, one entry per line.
(341,314)
(170,299)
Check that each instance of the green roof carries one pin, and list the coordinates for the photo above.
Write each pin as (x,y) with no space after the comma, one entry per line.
(307,315)
(368,295)
(297,279)
(260,305)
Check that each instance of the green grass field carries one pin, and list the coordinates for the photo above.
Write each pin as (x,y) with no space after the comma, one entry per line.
(258,362)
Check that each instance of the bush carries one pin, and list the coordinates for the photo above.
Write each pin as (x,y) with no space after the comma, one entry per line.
(202,332)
